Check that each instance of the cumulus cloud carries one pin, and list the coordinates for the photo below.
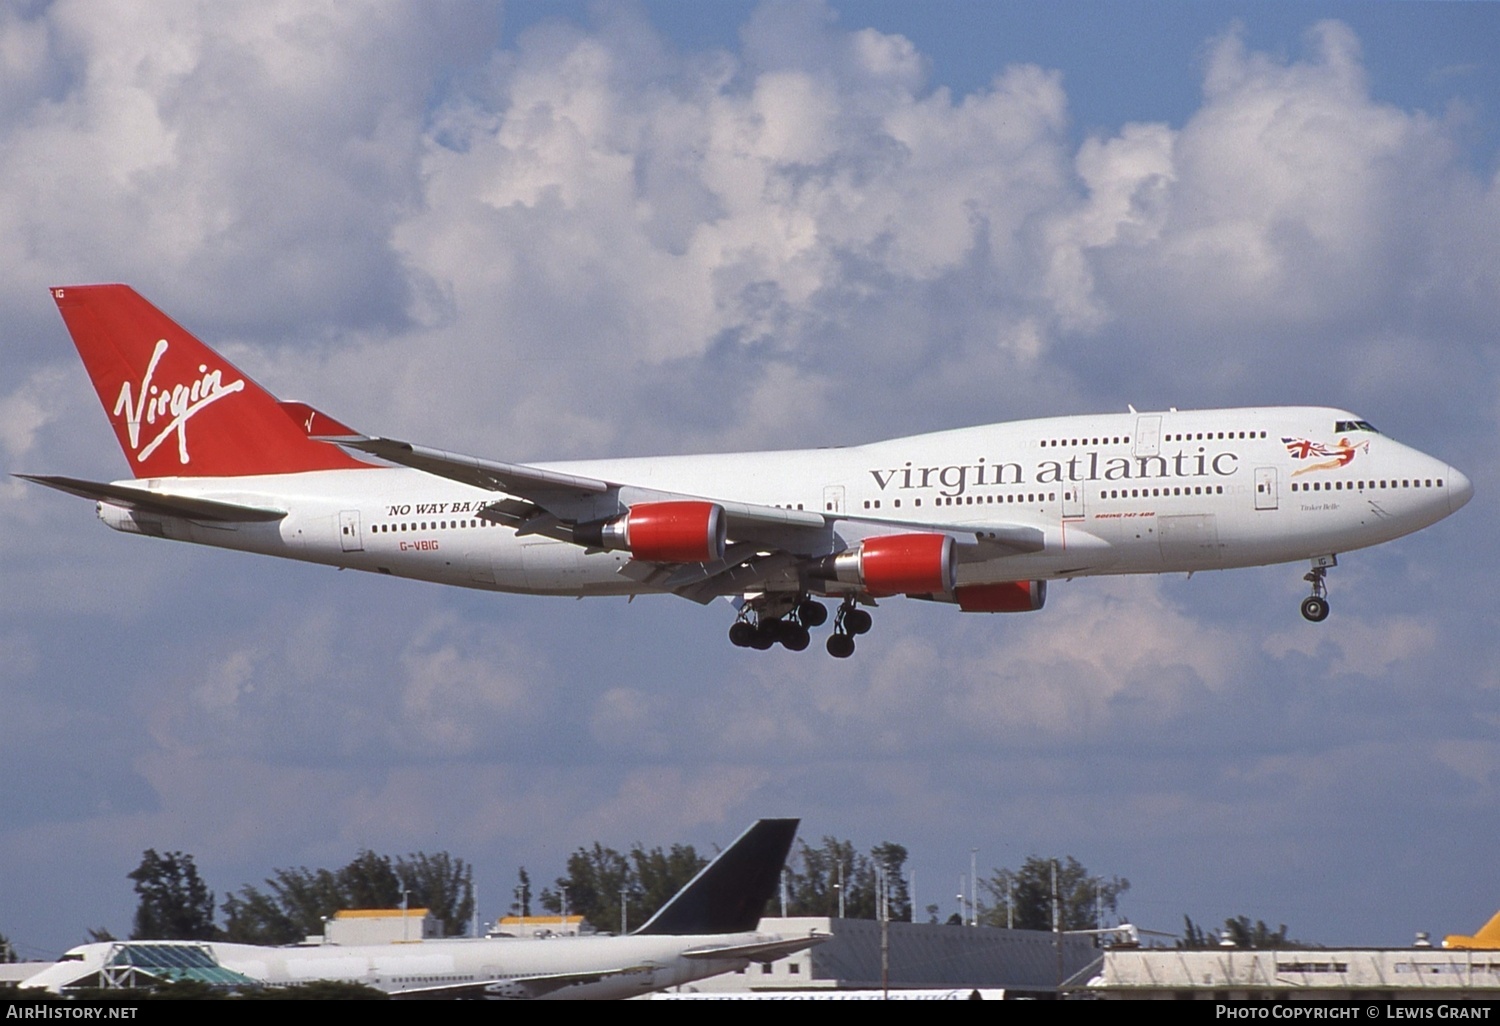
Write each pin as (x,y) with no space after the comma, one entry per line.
(591,243)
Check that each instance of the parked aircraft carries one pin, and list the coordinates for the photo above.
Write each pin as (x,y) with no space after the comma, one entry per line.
(981,518)
(1487,937)
(707,928)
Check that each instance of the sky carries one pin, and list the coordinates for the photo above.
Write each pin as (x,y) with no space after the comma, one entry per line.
(549,231)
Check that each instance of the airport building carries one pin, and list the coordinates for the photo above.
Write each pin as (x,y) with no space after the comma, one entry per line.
(1237,974)
(1023,963)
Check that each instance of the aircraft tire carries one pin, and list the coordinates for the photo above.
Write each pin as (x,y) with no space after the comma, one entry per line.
(794,637)
(857,621)
(840,646)
(1315,608)
(811,613)
(741,633)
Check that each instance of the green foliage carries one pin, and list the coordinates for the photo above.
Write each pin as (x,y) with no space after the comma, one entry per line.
(813,884)
(597,877)
(7,950)
(296,901)
(521,906)
(174,902)
(1082,899)
(1238,931)
(659,875)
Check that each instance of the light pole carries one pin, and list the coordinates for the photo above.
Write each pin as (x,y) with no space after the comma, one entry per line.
(973,886)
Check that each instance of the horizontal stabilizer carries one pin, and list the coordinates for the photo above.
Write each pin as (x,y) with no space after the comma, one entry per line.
(158,503)
(760,951)
(730,893)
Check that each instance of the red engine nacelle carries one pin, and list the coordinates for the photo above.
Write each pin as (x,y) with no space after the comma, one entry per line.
(1009,597)
(662,532)
(894,563)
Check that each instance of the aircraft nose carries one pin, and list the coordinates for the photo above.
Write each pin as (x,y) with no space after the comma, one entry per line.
(1460,489)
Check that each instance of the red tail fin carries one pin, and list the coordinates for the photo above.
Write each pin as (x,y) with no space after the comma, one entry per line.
(178,408)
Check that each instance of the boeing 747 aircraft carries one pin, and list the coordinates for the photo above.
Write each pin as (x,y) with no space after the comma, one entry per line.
(707,928)
(981,518)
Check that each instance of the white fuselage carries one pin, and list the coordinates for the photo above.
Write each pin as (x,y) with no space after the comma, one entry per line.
(626,966)
(1111,494)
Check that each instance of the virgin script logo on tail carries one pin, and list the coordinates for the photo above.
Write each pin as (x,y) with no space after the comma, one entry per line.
(152,402)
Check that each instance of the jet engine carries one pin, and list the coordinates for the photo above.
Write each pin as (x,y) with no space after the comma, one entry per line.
(661,532)
(1009,597)
(892,564)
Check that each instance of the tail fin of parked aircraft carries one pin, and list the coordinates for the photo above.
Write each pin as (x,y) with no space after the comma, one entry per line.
(729,894)
(178,408)
(1488,936)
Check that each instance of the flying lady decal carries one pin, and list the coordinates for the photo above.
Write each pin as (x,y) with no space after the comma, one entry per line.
(1339,455)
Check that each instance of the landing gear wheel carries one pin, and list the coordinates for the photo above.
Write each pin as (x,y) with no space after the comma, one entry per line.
(764,636)
(794,637)
(741,633)
(811,613)
(1315,608)
(857,621)
(840,646)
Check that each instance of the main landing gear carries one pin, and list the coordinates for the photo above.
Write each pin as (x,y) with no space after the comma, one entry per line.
(1315,606)
(850,621)
(791,629)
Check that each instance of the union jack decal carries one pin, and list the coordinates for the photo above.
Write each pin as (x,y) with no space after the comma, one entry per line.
(1302,448)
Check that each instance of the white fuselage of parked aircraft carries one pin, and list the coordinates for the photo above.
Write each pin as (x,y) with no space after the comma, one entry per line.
(569,968)
(980,517)
(710,926)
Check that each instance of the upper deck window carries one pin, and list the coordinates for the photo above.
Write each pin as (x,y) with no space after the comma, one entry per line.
(1344,426)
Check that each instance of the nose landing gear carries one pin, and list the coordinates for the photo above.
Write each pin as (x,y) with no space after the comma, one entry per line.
(1315,606)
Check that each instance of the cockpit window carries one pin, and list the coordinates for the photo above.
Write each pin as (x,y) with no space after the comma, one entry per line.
(1345,426)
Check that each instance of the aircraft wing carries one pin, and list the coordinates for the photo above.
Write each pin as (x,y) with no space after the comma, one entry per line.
(158,503)
(559,494)
(749,521)
(764,542)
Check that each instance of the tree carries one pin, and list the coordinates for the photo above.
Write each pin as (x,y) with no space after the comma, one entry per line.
(659,875)
(1238,932)
(174,902)
(1082,899)
(889,859)
(599,876)
(441,884)
(7,950)
(521,906)
(297,901)
(813,887)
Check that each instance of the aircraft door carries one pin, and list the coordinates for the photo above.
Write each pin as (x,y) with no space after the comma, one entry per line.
(833,499)
(1265,488)
(1148,435)
(350,538)
(1072,501)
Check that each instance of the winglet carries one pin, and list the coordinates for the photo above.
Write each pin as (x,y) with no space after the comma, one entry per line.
(1488,936)
(730,893)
